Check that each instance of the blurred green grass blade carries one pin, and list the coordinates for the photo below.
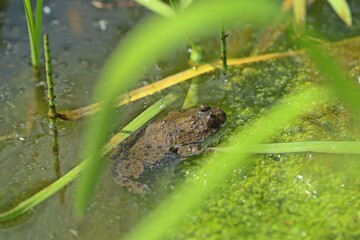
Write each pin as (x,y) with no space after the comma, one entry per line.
(34,30)
(45,193)
(175,207)
(299,7)
(42,195)
(341,83)
(29,18)
(345,147)
(140,120)
(125,66)
(158,7)
(342,9)
(31,30)
(299,11)
(38,27)
(192,95)
(185,3)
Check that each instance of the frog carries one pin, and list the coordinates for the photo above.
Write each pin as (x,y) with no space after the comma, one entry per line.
(178,135)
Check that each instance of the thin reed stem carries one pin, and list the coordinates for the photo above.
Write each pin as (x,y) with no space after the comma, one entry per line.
(51,95)
(223,53)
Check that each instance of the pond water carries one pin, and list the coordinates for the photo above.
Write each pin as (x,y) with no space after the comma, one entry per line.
(314,195)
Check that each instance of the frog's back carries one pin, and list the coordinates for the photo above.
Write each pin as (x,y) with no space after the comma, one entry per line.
(163,139)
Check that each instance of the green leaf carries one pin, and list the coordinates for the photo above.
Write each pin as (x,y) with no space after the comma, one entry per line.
(340,83)
(31,32)
(185,3)
(158,7)
(342,9)
(37,30)
(345,147)
(34,30)
(299,11)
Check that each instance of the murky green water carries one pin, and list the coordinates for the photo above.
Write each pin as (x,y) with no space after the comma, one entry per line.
(310,196)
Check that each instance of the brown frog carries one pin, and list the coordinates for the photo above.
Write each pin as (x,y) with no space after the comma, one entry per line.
(178,134)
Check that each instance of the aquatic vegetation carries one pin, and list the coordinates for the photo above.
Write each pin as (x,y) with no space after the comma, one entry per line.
(163,35)
(340,7)
(70,176)
(34,24)
(51,95)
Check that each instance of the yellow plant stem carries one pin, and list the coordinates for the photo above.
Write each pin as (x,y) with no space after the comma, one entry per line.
(171,81)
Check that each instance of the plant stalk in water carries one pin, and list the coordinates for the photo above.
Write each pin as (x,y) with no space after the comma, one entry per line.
(223,37)
(51,95)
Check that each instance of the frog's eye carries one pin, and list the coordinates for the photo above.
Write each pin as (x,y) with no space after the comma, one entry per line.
(204,108)
(212,121)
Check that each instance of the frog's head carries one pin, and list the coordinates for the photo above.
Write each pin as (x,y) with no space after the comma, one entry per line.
(215,117)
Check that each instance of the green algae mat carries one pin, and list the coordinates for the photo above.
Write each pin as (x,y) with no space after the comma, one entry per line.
(287,195)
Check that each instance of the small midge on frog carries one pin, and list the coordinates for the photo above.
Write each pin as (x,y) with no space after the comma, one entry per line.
(179,133)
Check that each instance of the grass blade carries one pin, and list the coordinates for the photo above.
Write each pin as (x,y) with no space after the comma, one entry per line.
(38,27)
(185,3)
(342,10)
(341,84)
(158,7)
(31,31)
(343,147)
(45,193)
(299,11)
